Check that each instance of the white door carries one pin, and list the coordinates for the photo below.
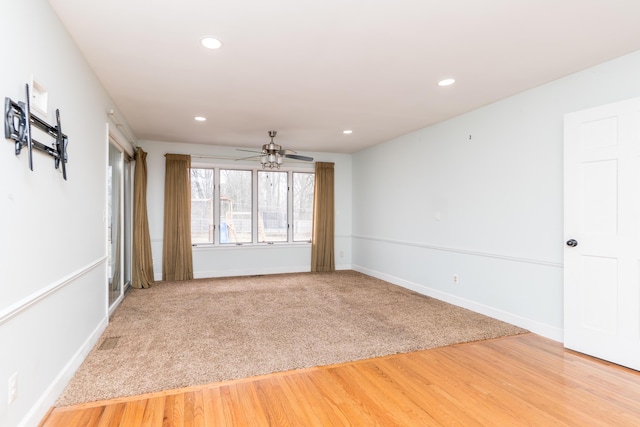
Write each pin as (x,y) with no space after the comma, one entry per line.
(602,232)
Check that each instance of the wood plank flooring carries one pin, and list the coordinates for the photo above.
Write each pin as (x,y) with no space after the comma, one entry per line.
(512,381)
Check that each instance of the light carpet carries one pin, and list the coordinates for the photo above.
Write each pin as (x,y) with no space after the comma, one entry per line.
(179,334)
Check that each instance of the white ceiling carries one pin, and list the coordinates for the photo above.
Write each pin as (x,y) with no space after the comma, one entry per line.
(310,69)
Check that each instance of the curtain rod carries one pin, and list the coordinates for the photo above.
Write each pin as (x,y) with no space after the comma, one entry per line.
(114,118)
(209,156)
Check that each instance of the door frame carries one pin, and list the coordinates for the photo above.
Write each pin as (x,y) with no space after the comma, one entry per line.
(114,138)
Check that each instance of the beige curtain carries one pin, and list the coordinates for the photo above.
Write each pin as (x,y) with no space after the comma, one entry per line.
(142,259)
(322,256)
(177,263)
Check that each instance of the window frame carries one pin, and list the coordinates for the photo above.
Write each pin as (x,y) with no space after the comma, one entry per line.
(254,206)
(217,209)
(289,209)
(292,205)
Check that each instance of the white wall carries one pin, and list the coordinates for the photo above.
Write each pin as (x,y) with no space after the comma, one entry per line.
(494,179)
(498,195)
(248,259)
(53,301)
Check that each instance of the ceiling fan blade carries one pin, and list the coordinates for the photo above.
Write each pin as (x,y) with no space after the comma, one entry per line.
(247,158)
(299,157)
(271,151)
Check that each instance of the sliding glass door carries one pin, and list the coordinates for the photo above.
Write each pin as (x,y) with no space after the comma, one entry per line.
(119,224)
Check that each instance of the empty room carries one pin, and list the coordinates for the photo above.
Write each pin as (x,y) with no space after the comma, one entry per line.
(320,213)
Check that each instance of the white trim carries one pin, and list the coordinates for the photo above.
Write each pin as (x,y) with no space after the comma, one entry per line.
(259,271)
(462,251)
(201,247)
(249,272)
(275,244)
(25,303)
(343,267)
(57,386)
(342,236)
(545,330)
(105,214)
(116,303)
(120,134)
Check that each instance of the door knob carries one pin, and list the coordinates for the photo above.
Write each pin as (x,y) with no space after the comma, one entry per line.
(572,243)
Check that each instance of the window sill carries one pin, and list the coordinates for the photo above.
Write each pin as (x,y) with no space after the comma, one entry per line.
(245,246)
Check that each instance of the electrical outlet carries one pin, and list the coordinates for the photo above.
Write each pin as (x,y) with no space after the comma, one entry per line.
(456,279)
(13,387)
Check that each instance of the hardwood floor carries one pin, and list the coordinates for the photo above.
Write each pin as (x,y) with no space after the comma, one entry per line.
(512,381)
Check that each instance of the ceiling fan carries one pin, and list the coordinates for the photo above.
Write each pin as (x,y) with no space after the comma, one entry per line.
(272,154)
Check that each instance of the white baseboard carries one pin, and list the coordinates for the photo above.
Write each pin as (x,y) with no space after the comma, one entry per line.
(534,326)
(254,272)
(249,272)
(51,394)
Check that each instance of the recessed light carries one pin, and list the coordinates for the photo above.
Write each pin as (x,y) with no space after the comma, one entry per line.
(200,119)
(211,43)
(446,82)
(347,132)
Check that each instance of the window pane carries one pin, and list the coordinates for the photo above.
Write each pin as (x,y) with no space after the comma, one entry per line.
(235,206)
(272,206)
(201,205)
(302,206)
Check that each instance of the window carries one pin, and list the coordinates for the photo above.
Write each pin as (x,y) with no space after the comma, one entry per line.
(202,206)
(233,206)
(272,206)
(302,206)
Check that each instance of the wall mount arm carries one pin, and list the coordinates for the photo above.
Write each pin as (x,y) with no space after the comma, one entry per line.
(17,127)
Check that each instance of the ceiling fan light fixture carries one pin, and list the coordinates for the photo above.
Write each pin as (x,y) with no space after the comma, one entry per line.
(211,43)
(272,155)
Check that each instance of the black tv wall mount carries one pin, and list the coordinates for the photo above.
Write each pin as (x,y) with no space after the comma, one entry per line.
(17,126)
